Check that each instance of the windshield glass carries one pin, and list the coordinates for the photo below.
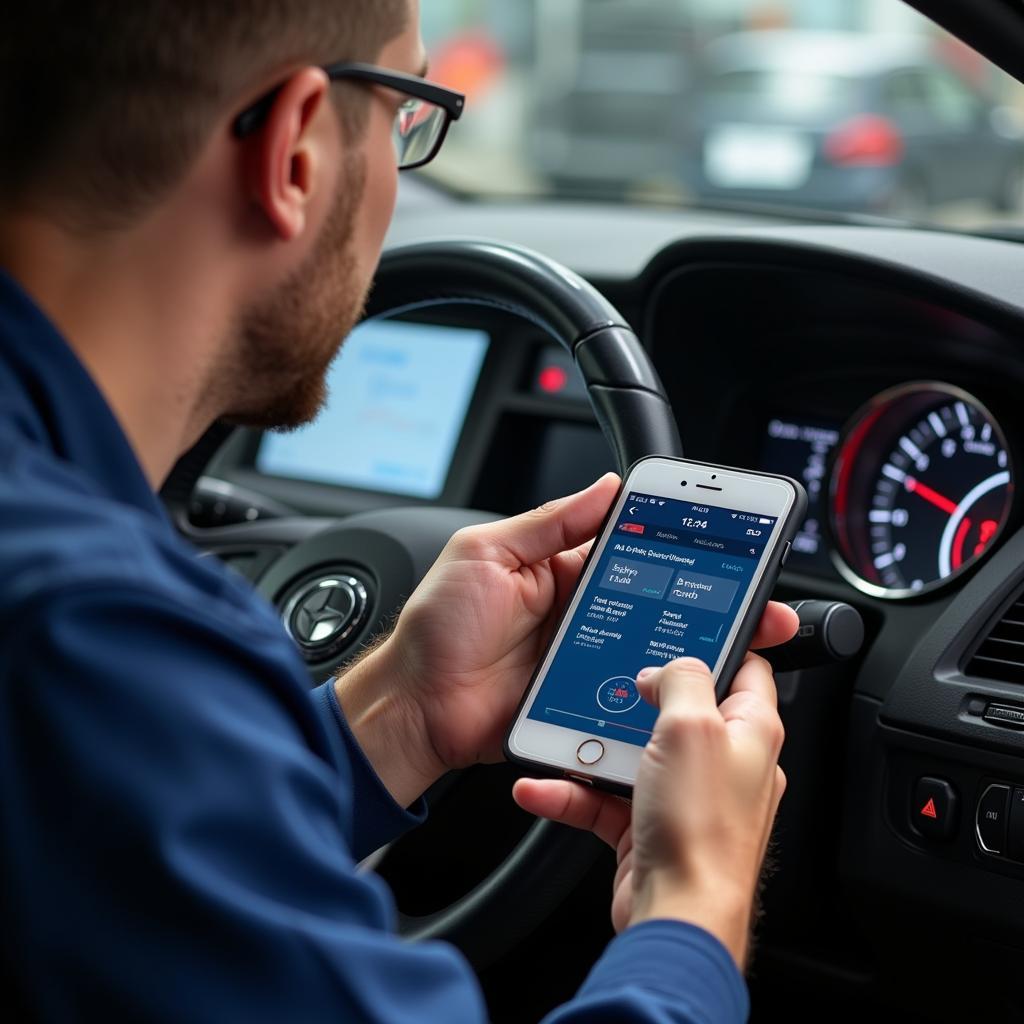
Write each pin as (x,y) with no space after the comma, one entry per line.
(844,106)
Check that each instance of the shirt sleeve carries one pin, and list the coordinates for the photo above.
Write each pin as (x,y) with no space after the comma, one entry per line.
(376,818)
(660,972)
(176,830)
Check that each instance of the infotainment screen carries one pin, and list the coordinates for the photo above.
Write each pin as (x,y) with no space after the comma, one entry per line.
(399,394)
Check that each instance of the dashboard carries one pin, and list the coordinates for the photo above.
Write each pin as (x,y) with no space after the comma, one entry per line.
(883,408)
(905,493)
(883,368)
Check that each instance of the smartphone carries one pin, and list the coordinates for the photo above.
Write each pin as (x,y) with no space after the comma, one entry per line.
(683,567)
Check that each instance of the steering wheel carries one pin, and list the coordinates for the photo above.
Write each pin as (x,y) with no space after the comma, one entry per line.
(367,564)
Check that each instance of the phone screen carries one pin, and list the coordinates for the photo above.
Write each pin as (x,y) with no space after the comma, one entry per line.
(668,584)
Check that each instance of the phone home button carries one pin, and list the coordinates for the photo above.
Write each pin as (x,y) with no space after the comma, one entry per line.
(590,752)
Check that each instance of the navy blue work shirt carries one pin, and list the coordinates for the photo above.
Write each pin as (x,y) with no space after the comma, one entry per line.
(180,815)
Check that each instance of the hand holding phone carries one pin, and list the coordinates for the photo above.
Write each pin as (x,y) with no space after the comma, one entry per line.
(691,845)
(683,567)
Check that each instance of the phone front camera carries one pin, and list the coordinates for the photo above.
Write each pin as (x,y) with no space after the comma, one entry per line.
(714,476)
(682,483)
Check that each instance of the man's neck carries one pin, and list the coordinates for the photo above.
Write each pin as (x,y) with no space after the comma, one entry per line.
(140,317)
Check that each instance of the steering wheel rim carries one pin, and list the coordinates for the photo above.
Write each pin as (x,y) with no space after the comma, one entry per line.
(637,421)
(623,386)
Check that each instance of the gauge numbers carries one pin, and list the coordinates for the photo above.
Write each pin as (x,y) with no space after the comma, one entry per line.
(921,488)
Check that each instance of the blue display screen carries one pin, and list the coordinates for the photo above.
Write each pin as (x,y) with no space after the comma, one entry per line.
(399,394)
(668,584)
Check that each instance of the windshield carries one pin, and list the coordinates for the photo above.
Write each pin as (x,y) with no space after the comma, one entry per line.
(844,106)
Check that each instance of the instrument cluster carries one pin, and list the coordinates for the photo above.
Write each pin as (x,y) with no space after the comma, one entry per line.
(915,488)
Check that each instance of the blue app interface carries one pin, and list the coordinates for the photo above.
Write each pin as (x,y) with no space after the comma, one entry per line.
(668,584)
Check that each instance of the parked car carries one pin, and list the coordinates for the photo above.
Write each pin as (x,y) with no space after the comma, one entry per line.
(846,121)
(606,90)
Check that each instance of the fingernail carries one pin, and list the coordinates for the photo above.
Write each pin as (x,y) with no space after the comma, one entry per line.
(644,673)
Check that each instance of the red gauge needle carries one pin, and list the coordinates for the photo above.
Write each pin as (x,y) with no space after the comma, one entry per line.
(924,491)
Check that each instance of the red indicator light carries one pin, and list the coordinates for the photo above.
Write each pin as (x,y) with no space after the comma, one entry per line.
(632,528)
(552,379)
(928,811)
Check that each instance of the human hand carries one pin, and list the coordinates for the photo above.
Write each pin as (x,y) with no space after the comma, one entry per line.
(708,787)
(440,692)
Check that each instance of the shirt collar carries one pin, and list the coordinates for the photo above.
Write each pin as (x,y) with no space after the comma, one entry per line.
(48,397)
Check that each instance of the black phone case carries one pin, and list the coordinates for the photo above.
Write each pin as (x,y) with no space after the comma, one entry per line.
(740,645)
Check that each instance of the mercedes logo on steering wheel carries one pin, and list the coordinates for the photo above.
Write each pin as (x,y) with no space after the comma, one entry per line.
(323,614)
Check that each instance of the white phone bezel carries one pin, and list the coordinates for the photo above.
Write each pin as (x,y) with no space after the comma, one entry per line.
(555,746)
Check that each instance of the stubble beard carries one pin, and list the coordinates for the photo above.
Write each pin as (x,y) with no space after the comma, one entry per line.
(286,341)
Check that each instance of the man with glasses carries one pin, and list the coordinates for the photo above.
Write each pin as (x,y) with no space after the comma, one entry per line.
(193,199)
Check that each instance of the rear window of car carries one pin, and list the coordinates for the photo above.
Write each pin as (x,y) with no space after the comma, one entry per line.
(795,94)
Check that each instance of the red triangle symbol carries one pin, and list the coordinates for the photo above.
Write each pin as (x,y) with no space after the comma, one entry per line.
(929,809)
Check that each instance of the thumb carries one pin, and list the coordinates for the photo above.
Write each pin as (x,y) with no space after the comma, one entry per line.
(683,686)
(577,806)
(557,526)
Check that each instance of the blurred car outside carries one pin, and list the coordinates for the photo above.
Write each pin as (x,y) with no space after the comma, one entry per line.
(849,122)
(853,122)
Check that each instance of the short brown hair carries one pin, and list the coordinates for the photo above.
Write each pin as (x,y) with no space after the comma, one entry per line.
(104,104)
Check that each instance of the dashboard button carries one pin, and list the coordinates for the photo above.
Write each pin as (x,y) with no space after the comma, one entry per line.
(933,808)
(590,752)
(1015,828)
(990,821)
(1005,714)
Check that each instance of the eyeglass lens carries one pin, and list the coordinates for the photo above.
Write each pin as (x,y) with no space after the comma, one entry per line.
(418,128)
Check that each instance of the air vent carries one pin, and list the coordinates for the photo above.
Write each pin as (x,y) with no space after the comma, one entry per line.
(1001,654)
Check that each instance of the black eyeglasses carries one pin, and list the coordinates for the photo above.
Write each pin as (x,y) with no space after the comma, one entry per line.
(422,121)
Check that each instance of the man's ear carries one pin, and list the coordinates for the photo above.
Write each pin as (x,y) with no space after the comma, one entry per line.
(286,157)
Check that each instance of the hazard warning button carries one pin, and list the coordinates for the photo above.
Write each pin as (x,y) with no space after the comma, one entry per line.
(933,808)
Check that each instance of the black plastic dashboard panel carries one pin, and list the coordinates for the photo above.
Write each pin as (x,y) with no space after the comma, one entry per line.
(740,341)
(932,694)
(944,922)
(973,274)
(974,278)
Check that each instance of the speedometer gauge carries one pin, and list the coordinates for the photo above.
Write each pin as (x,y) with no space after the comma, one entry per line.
(921,488)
